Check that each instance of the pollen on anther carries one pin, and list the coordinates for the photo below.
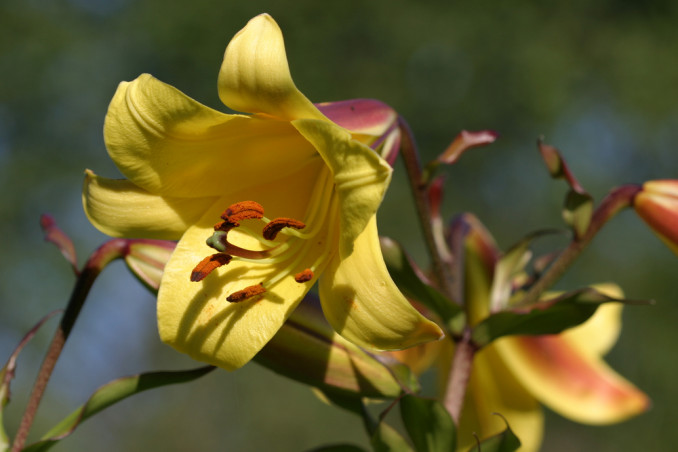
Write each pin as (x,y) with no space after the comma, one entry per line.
(209,264)
(244,210)
(271,230)
(304,276)
(247,292)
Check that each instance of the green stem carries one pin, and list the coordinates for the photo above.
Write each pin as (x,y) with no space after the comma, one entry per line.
(414,174)
(106,253)
(617,200)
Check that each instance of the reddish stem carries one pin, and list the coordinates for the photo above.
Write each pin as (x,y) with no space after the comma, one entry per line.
(617,200)
(106,253)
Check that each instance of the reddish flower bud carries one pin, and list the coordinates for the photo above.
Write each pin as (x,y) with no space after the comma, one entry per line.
(657,205)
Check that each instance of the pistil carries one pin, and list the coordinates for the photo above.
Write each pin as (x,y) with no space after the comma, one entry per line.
(272,252)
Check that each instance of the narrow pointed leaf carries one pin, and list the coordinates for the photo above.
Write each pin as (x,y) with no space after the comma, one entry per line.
(506,441)
(557,166)
(402,271)
(465,141)
(428,423)
(7,374)
(59,238)
(112,393)
(545,317)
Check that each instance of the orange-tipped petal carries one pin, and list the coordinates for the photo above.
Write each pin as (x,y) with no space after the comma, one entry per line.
(572,382)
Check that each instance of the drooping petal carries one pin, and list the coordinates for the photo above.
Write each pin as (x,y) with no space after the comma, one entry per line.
(360,176)
(119,208)
(363,304)
(570,381)
(169,144)
(255,76)
(493,389)
(195,317)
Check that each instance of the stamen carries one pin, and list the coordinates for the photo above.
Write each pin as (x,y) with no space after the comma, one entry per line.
(271,230)
(247,292)
(245,210)
(209,264)
(304,276)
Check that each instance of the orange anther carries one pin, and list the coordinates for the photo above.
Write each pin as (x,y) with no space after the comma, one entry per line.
(271,230)
(207,265)
(247,292)
(304,276)
(245,210)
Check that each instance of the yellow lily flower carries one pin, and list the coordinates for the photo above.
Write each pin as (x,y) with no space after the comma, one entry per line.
(565,372)
(515,375)
(319,183)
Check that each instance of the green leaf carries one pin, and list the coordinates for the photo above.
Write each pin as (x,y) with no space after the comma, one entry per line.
(386,439)
(578,207)
(348,402)
(112,393)
(578,211)
(403,273)
(428,423)
(509,265)
(308,350)
(383,437)
(544,317)
(506,441)
(7,374)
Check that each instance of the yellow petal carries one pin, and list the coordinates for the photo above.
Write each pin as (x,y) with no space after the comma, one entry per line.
(121,209)
(599,333)
(493,389)
(255,77)
(573,382)
(169,144)
(362,303)
(195,317)
(360,176)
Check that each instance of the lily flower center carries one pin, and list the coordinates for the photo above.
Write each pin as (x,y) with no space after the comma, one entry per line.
(283,242)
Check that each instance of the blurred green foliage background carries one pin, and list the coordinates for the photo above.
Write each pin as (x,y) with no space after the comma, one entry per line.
(598,78)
